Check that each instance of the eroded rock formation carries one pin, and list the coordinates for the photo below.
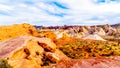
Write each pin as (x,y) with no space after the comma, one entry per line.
(28,51)
(12,31)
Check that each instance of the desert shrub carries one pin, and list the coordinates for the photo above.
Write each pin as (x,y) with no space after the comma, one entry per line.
(79,48)
(4,64)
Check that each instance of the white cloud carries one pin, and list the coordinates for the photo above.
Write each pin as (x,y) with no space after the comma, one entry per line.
(5,7)
(43,12)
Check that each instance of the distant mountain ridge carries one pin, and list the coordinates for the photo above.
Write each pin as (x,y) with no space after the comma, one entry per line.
(115,25)
(65,26)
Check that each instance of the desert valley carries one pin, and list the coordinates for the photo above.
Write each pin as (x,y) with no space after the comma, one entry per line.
(30,46)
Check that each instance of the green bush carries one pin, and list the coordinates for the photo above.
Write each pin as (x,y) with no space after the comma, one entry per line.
(4,64)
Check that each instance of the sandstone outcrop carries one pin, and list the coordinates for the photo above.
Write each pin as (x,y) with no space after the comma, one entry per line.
(12,31)
(93,37)
(27,51)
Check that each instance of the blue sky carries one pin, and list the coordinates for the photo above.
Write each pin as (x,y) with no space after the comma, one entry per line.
(59,12)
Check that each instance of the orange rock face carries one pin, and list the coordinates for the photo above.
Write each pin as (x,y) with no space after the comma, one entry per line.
(8,32)
(48,34)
